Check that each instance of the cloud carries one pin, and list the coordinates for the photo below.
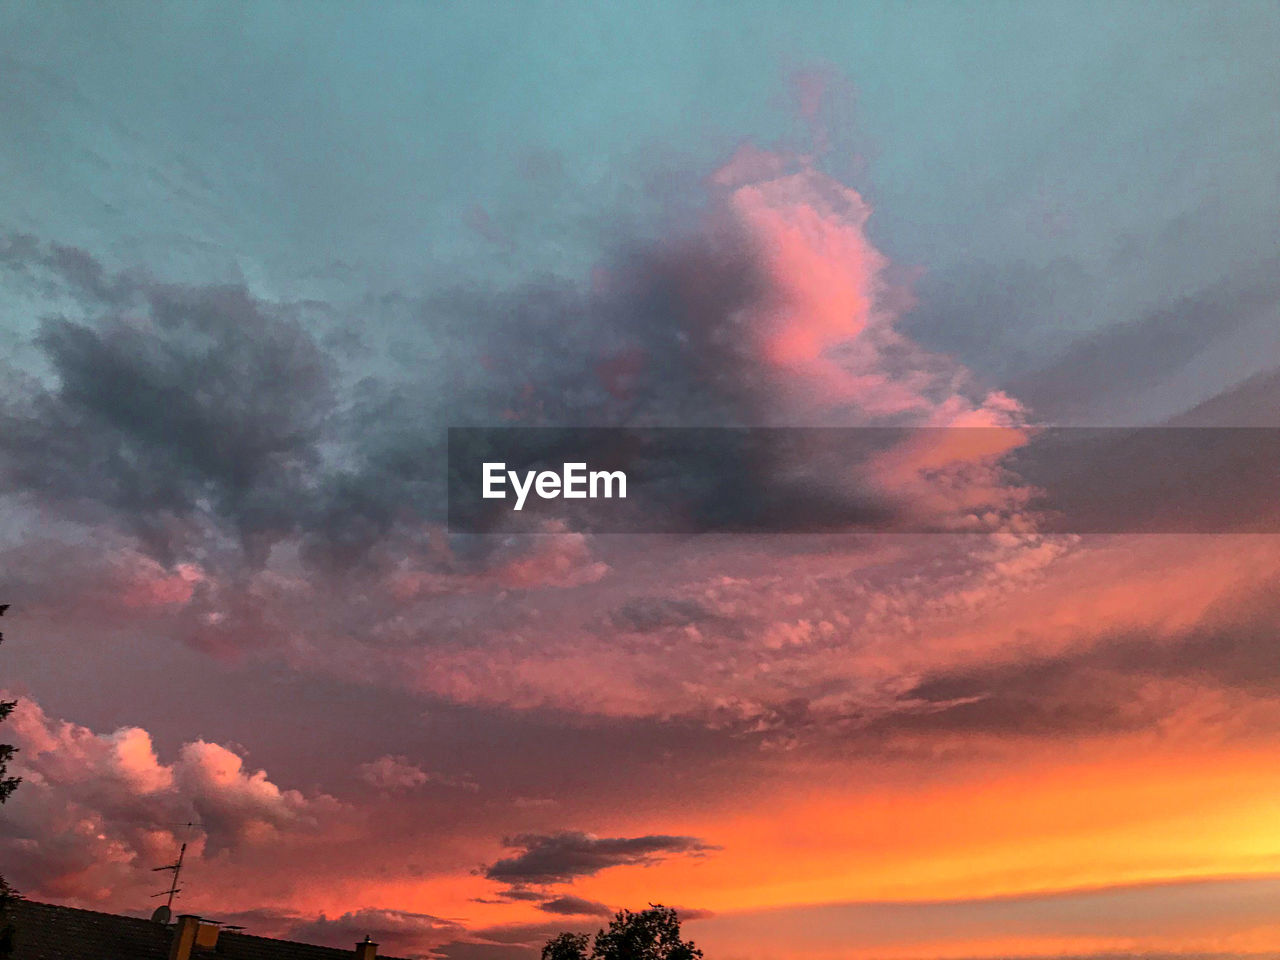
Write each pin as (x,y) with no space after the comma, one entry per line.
(188,413)
(258,462)
(194,402)
(396,931)
(528,934)
(648,614)
(1251,403)
(397,773)
(563,857)
(399,932)
(1114,682)
(392,773)
(320,550)
(576,907)
(1107,369)
(96,811)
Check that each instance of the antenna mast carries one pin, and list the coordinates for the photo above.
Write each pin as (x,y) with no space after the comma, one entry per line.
(164,911)
(174,889)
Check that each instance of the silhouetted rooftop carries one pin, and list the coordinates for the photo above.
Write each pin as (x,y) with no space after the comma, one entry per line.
(45,931)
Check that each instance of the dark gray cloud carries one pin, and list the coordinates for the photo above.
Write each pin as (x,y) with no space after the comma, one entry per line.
(1060,698)
(190,401)
(177,406)
(183,412)
(576,907)
(515,894)
(563,857)
(172,403)
(658,341)
(82,273)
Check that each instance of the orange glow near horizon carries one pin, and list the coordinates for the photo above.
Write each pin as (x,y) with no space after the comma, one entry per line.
(1123,815)
(1043,828)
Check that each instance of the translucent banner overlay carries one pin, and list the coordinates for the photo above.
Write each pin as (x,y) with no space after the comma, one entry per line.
(864,480)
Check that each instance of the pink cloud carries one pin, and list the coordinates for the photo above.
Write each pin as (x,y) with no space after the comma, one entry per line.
(551,558)
(825,332)
(394,773)
(96,811)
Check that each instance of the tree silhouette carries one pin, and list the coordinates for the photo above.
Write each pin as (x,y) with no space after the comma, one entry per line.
(7,786)
(566,946)
(652,934)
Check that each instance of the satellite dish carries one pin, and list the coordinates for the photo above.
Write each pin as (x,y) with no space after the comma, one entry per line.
(160,914)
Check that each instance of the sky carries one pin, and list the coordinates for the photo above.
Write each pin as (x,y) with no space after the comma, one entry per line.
(255,258)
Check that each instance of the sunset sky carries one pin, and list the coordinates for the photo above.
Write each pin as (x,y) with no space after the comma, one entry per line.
(256,258)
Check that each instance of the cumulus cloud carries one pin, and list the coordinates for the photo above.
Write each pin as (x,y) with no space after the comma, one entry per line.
(97,811)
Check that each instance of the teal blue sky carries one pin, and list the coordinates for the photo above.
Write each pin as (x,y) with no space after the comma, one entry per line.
(980,132)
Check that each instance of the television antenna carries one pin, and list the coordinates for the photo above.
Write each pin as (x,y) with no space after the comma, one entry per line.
(165,911)
(174,889)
